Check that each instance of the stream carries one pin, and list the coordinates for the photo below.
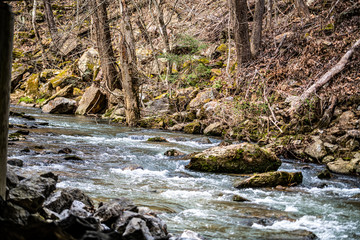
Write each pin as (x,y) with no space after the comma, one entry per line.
(201,202)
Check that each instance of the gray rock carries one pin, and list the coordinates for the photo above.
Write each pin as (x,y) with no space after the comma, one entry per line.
(341,166)
(16,162)
(173,153)
(60,105)
(316,150)
(12,179)
(137,229)
(202,97)
(88,61)
(26,197)
(108,212)
(190,235)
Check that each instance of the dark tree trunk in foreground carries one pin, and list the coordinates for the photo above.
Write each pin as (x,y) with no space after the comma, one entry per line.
(255,41)
(128,61)
(6,46)
(50,21)
(241,30)
(104,46)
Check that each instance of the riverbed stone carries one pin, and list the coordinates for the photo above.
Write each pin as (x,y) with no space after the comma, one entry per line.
(16,162)
(157,139)
(60,105)
(239,158)
(173,153)
(93,101)
(324,174)
(271,179)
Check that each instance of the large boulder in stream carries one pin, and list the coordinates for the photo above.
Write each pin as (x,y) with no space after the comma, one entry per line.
(271,179)
(240,158)
(93,101)
(60,105)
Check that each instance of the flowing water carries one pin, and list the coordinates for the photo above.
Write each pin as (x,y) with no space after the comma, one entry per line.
(185,199)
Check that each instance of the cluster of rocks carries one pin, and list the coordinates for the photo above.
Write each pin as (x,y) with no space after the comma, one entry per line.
(34,210)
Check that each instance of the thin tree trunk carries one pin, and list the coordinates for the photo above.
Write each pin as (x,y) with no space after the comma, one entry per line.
(6,46)
(269,14)
(324,78)
(104,45)
(128,61)
(50,21)
(241,31)
(255,40)
(37,35)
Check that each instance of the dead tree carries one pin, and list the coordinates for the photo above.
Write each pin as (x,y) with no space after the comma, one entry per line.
(128,65)
(6,46)
(241,30)
(296,104)
(255,40)
(104,45)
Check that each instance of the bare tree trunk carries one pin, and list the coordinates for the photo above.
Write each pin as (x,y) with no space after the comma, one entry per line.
(50,21)
(104,45)
(128,61)
(37,35)
(269,14)
(255,40)
(295,105)
(163,31)
(241,31)
(6,46)
(302,8)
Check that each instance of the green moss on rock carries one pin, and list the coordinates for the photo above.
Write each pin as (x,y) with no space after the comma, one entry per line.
(271,179)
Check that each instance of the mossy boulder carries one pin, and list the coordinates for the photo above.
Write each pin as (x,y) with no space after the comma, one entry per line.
(239,158)
(203,97)
(63,78)
(157,139)
(32,84)
(193,128)
(271,179)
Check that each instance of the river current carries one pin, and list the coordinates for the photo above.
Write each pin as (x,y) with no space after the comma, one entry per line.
(201,202)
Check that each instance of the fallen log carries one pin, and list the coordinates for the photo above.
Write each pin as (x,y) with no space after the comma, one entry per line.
(296,104)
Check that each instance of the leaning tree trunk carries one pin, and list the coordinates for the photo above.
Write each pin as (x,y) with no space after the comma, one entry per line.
(241,31)
(104,45)
(129,74)
(255,40)
(50,21)
(6,46)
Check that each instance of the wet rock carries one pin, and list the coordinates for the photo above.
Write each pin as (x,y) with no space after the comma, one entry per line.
(270,179)
(43,185)
(79,209)
(93,101)
(316,150)
(193,128)
(77,226)
(158,107)
(60,105)
(132,167)
(25,150)
(240,158)
(73,158)
(190,235)
(23,132)
(225,143)
(145,228)
(173,153)
(215,129)
(13,213)
(203,140)
(293,235)
(95,235)
(49,175)
(238,198)
(63,199)
(123,220)
(16,162)
(203,97)
(110,211)
(65,150)
(157,139)
(324,174)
